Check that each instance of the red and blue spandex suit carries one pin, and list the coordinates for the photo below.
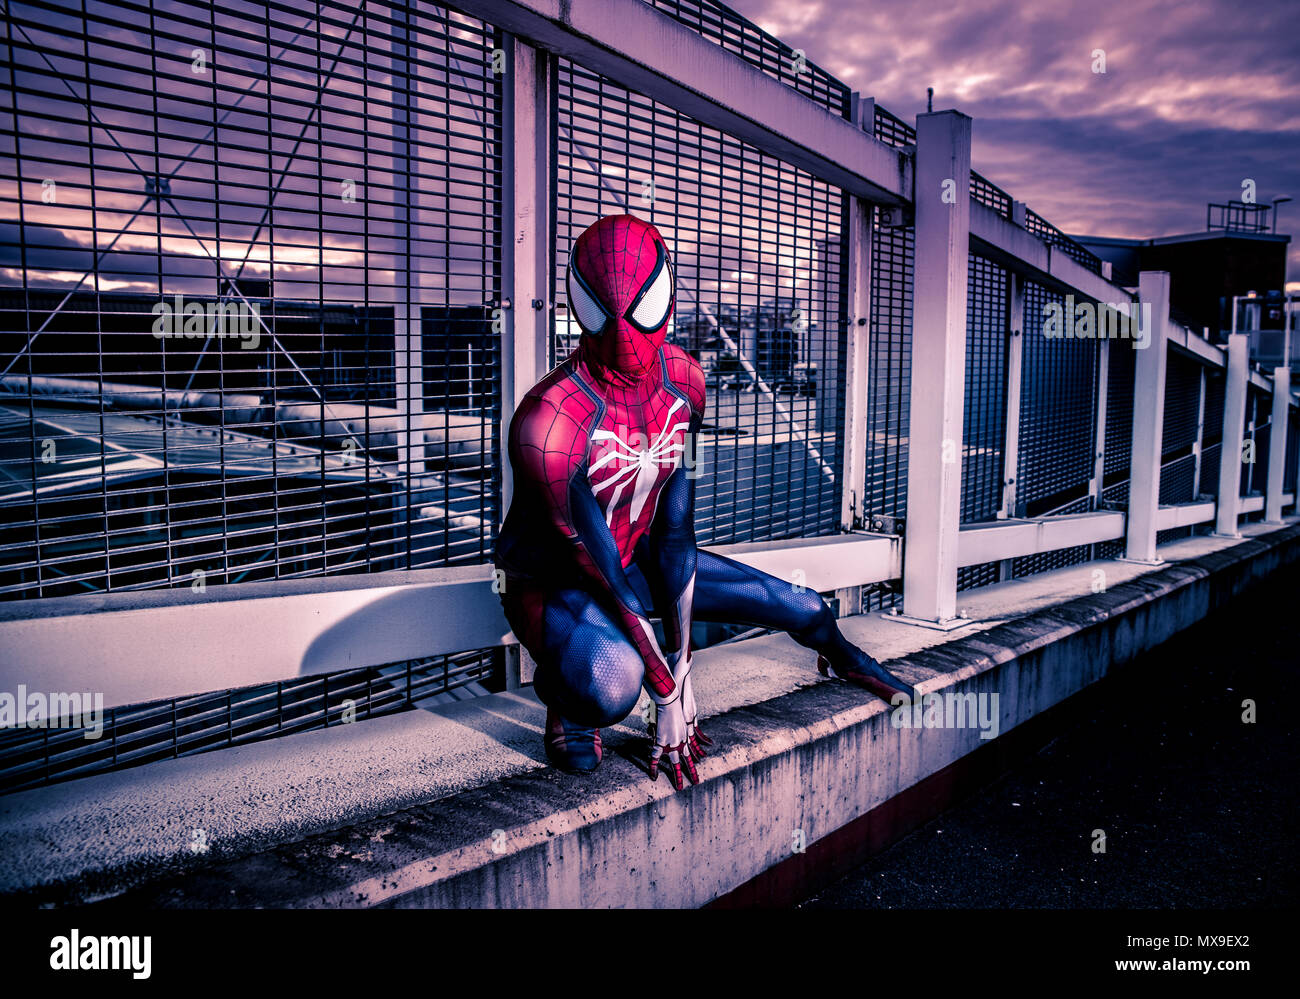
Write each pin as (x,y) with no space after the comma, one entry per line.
(600,534)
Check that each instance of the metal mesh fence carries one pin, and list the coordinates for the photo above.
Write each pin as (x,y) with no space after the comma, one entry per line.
(1117,450)
(987,193)
(984,415)
(1053,236)
(249,262)
(1058,405)
(891,129)
(329,181)
(165,730)
(1291,477)
(1259,415)
(758,260)
(1178,440)
(972,576)
(892,255)
(1182,407)
(984,418)
(724,27)
(1212,437)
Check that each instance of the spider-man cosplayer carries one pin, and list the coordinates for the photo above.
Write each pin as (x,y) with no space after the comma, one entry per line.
(600,534)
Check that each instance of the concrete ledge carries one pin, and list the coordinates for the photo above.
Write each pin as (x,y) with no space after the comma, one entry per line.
(815,756)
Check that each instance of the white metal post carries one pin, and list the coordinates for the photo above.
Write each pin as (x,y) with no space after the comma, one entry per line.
(1234,428)
(529,235)
(942,202)
(857,363)
(1199,446)
(1277,445)
(857,366)
(1295,482)
(1149,370)
(1099,440)
(408,325)
(1015,367)
(528,230)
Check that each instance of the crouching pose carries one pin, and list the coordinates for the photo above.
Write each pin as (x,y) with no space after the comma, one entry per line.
(600,533)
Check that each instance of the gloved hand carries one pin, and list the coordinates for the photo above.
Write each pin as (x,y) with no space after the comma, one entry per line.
(671,733)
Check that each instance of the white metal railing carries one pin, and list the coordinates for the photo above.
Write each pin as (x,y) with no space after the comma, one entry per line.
(158,644)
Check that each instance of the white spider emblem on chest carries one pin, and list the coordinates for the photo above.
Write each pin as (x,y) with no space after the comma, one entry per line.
(643,463)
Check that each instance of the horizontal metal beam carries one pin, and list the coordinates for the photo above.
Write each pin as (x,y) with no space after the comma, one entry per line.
(1184,514)
(1260,380)
(1195,346)
(640,48)
(156,644)
(1019,250)
(824,564)
(149,645)
(1002,539)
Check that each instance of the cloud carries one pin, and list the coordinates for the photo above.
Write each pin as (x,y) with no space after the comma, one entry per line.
(1198,95)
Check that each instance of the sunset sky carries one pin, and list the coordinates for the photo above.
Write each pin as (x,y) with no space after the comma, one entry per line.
(1198,95)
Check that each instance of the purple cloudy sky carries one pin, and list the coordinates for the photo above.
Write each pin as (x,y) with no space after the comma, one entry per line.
(1198,95)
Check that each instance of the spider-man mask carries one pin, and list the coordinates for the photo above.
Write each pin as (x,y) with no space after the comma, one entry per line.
(621,292)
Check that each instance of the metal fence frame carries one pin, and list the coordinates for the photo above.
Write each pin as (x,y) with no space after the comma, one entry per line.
(893,177)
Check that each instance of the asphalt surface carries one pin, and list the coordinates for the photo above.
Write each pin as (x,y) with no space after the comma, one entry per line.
(1198,807)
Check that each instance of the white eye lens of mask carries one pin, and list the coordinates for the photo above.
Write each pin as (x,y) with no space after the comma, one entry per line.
(591,317)
(652,311)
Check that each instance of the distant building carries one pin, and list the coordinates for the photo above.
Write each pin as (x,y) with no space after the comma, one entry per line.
(1237,254)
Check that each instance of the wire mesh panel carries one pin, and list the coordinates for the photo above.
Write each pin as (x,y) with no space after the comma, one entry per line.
(1053,236)
(1182,408)
(891,129)
(1117,451)
(723,26)
(1212,435)
(250,259)
(892,258)
(893,254)
(164,730)
(1058,405)
(984,419)
(984,415)
(758,261)
(1291,477)
(989,194)
(972,576)
(1259,416)
(1178,441)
